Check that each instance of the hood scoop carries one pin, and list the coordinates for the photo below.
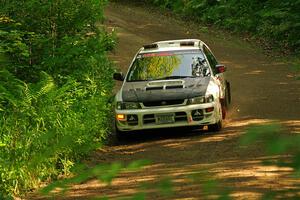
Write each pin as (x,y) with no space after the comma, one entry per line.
(134,89)
(165,82)
(174,87)
(154,88)
(165,85)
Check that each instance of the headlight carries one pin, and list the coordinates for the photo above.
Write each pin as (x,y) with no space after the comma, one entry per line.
(128,105)
(200,100)
(209,98)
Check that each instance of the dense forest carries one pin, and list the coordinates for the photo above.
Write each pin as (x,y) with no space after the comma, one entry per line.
(55,80)
(274,21)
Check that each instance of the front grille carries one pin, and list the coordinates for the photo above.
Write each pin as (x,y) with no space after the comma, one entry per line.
(149,119)
(163,103)
(180,116)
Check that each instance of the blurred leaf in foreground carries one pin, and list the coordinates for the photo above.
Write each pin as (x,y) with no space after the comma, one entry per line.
(104,173)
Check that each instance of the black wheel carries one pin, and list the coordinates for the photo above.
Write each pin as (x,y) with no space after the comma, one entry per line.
(219,125)
(119,135)
(227,95)
(215,127)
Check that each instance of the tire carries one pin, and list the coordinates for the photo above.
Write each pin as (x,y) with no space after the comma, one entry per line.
(226,101)
(215,127)
(224,112)
(219,125)
(119,135)
(227,95)
(224,106)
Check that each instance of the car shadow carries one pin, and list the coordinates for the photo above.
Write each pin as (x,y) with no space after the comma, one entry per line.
(136,137)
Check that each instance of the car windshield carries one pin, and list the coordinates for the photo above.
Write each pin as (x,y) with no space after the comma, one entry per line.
(168,65)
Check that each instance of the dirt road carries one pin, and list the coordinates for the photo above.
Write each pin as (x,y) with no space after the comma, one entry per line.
(263,89)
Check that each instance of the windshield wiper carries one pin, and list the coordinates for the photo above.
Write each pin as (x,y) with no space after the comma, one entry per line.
(136,80)
(175,77)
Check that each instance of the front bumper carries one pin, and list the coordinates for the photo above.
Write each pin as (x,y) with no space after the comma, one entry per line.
(180,116)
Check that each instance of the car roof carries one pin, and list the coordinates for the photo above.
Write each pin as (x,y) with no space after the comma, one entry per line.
(172,45)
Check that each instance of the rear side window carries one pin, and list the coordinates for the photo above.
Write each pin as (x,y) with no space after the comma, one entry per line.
(211,59)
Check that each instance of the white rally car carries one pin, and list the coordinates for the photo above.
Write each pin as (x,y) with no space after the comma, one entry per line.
(172,83)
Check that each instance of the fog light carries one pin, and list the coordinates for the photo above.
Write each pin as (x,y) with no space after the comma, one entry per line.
(209,109)
(121,117)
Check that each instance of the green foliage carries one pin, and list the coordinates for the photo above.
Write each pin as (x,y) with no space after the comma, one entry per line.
(165,187)
(296,69)
(54,89)
(273,139)
(274,20)
(211,189)
(276,141)
(104,173)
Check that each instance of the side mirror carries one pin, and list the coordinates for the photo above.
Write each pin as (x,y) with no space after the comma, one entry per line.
(220,69)
(118,76)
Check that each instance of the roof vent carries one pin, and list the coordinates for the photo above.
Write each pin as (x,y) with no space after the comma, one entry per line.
(151,46)
(187,43)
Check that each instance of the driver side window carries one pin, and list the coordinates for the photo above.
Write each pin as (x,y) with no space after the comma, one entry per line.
(211,59)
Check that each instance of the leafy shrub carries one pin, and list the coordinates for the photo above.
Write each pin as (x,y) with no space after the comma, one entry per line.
(55,82)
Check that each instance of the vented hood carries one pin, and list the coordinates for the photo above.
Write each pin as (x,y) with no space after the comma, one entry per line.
(149,91)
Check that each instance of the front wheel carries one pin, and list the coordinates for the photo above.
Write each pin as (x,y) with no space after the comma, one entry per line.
(219,125)
(117,135)
(227,95)
(215,127)
(120,135)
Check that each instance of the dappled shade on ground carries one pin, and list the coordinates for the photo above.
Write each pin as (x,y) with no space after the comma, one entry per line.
(264,90)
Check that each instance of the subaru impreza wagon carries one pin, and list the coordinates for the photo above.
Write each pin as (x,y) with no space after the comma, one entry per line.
(174,83)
